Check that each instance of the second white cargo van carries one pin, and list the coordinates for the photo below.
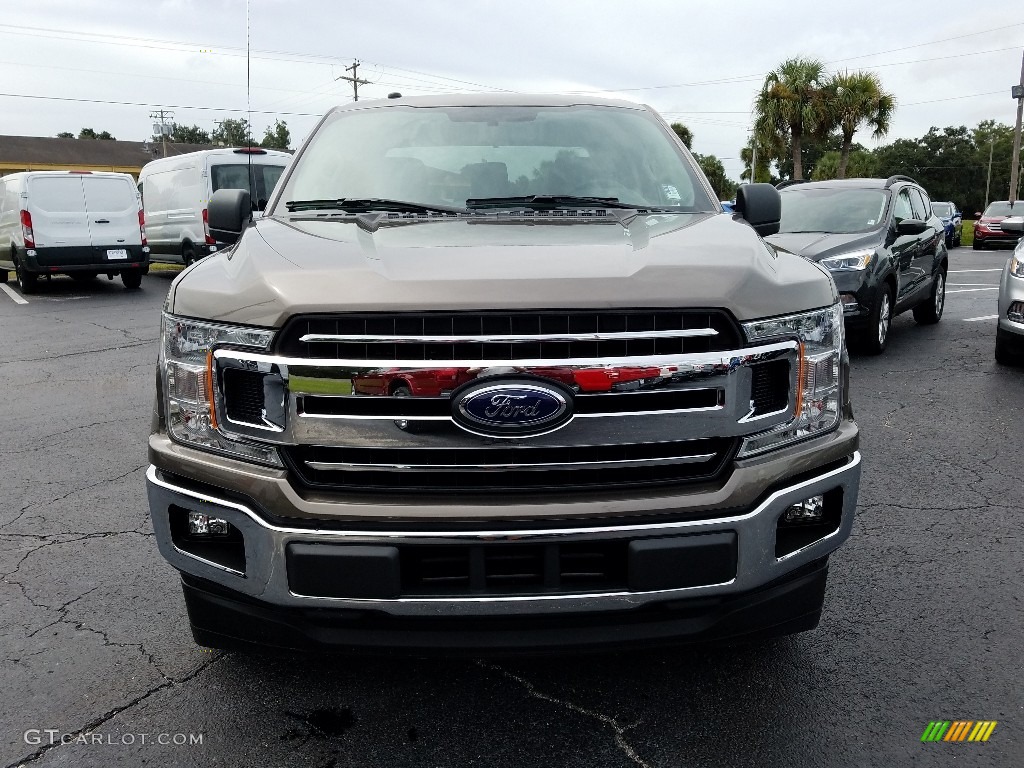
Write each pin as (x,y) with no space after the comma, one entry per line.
(175,192)
(78,223)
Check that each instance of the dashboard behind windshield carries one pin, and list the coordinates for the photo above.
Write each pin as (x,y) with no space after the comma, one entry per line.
(446,155)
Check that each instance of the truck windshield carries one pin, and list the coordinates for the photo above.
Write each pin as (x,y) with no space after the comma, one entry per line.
(259,179)
(444,156)
(837,211)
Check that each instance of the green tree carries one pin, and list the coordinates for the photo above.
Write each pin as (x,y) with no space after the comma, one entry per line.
(89,133)
(232,133)
(685,134)
(994,141)
(764,163)
(855,99)
(792,103)
(65,135)
(712,167)
(861,164)
(188,134)
(277,137)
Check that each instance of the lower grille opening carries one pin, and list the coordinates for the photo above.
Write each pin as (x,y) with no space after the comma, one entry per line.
(770,387)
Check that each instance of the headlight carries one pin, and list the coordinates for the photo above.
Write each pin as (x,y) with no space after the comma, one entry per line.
(818,398)
(1017,262)
(186,364)
(849,262)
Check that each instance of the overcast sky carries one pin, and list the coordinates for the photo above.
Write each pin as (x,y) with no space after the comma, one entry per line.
(938,59)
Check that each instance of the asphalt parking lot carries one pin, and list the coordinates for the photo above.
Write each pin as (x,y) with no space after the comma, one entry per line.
(923,617)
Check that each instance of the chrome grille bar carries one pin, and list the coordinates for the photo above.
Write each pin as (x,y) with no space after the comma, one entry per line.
(688,333)
(620,463)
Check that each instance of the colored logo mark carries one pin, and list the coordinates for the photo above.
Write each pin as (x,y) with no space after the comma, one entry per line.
(958,730)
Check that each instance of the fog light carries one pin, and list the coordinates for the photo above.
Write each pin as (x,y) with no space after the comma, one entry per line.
(807,511)
(204,525)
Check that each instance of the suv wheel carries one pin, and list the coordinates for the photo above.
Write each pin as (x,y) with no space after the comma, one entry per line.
(930,312)
(3,275)
(978,245)
(27,281)
(956,239)
(1006,354)
(876,335)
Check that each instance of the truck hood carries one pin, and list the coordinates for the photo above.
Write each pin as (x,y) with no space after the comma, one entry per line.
(819,245)
(283,266)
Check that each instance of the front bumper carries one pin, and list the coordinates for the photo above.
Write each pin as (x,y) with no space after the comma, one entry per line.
(265,578)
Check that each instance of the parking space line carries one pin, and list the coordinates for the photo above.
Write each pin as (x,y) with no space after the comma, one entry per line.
(954,271)
(972,290)
(984,317)
(13,294)
(965,285)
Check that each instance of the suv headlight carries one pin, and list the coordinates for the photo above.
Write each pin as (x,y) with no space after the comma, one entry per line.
(186,365)
(854,261)
(818,399)
(1017,262)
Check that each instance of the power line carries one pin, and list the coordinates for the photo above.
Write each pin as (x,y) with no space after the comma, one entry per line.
(156,106)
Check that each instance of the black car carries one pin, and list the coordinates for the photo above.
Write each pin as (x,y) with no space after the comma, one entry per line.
(882,243)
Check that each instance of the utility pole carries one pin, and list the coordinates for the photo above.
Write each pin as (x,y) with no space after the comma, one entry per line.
(988,181)
(356,82)
(162,127)
(1018,94)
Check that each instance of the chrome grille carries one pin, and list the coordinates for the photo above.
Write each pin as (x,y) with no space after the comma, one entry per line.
(507,336)
(507,469)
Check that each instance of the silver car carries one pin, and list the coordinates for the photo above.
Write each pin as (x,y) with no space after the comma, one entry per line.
(1010,332)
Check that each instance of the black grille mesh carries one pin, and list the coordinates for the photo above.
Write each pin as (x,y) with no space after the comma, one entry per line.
(507,324)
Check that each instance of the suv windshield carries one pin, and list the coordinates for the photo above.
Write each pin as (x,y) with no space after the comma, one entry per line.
(835,210)
(942,209)
(1002,208)
(259,179)
(444,156)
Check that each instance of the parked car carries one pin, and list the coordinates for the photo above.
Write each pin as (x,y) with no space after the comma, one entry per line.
(728,206)
(952,222)
(643,430)
(988,231)
(882,244)
(1010,326)
(77,223)
(176,190)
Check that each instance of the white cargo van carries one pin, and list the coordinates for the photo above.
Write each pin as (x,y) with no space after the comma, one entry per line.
(175,191)
(78,223)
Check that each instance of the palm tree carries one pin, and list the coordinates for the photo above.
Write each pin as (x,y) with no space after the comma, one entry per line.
(857,98)
(793,101)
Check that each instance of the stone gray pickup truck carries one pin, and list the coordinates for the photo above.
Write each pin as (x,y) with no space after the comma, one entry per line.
(497,374)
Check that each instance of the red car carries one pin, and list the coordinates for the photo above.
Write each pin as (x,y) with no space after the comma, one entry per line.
(987,230)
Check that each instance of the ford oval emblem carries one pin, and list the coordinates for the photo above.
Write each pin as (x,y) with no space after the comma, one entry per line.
(512,409)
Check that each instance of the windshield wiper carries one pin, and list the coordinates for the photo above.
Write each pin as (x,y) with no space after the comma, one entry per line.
(546,202)
(364,204)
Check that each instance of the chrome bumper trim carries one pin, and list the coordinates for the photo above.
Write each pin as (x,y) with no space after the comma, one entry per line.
(266,569)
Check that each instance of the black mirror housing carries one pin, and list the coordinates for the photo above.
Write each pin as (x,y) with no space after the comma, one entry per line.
(911,227)
(229,212)
(761,206)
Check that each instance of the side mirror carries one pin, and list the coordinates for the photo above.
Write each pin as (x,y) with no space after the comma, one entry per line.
(911,227)
(1012,224)
(977,214)
(761,206)
(229,212)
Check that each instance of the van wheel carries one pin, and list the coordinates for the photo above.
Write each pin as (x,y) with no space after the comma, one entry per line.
(28,282)
(3,275)
(188,253)
(131,279)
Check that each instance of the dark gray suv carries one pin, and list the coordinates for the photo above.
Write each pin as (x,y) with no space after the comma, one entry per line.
(880,240)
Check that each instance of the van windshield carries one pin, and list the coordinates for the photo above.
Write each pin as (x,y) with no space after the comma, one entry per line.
(444,156)
(260,180)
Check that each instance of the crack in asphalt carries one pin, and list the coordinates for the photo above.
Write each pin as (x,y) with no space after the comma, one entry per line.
(612,722)
(48,358)
(26,508)
(60,434)
(92,725)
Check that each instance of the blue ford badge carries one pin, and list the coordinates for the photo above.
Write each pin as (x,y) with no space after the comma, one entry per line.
(511,409)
